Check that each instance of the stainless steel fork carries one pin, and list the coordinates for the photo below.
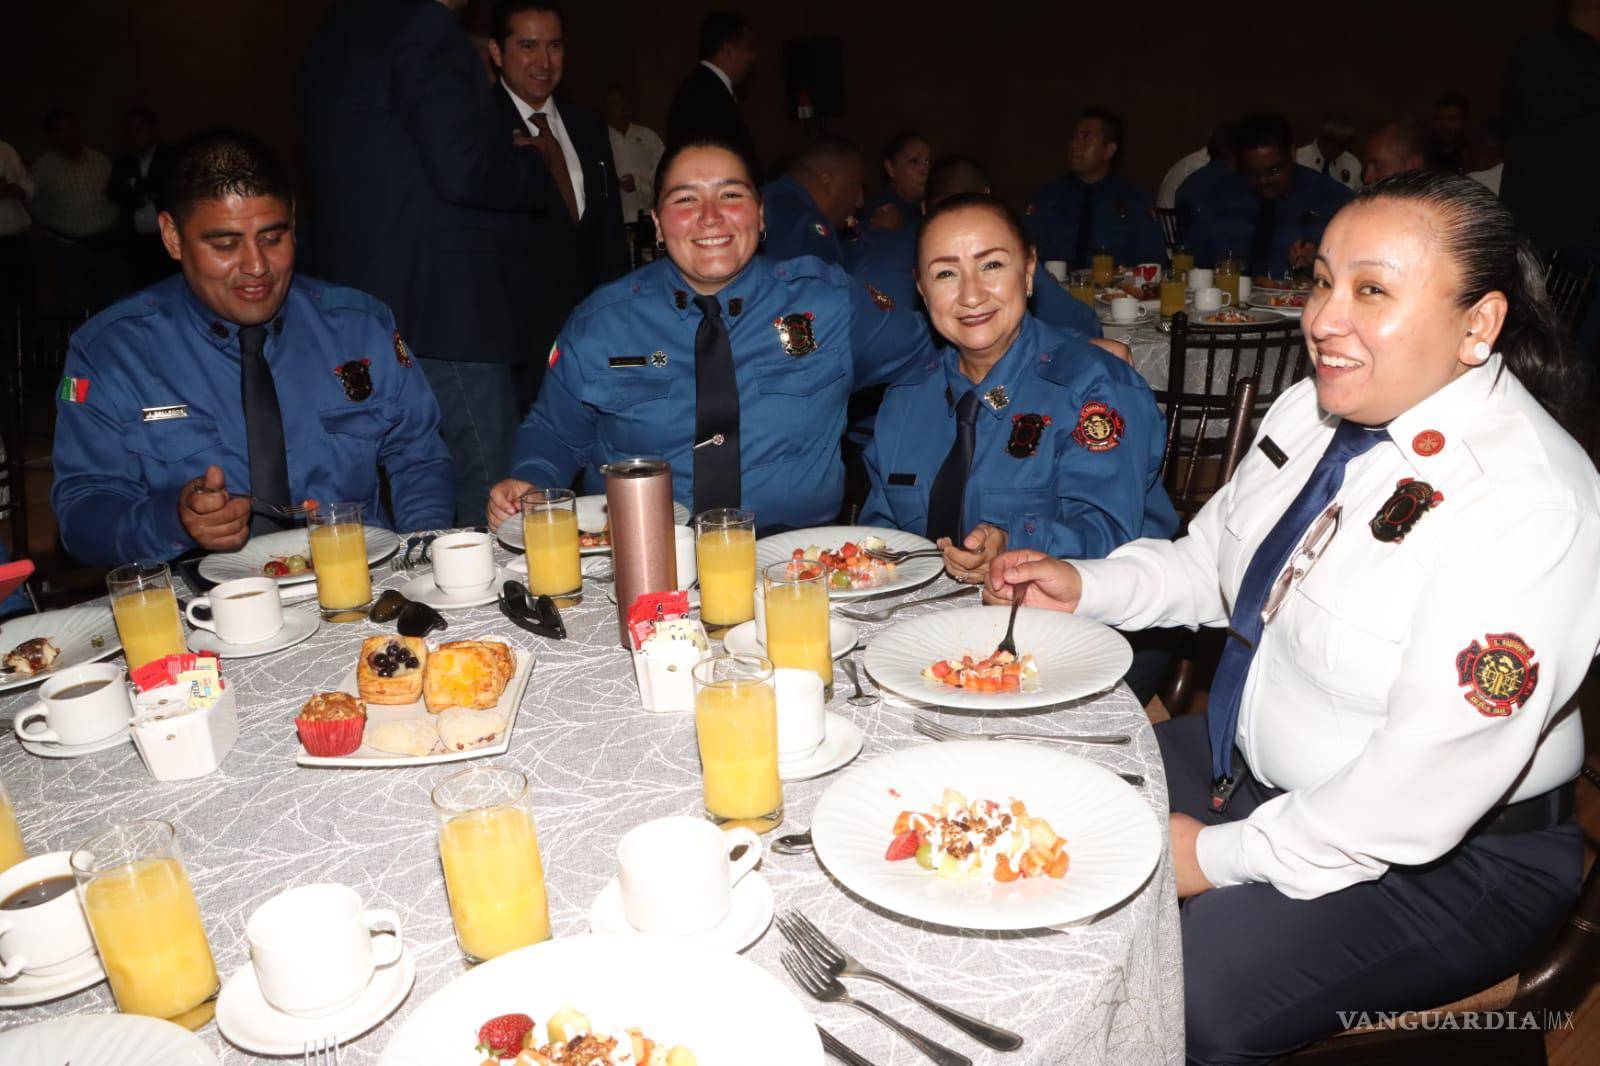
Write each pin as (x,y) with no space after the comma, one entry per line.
(324,1051)
(939,731)
(819,985)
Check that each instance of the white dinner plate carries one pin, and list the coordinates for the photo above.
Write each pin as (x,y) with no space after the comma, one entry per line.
(591,519)
(907,576)
(1258,302)
(725,1009)
(1076,657)
(1257,316)
(82,634)
(742,638)
(258,551)
(104,1040)
(377,714)
(1113,840)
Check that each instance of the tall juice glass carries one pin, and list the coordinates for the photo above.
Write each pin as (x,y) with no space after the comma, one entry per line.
(492,870)
(12,850)
(1104,265)
(1081,285)
(736,723)
(339,556)
(725,552)
(1174,291)
(1182,260)
(146,922)
(550,533)
(1226,276)
(146,610)
(796,596)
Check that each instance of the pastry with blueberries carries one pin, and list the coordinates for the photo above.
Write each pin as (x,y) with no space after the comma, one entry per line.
(390,670)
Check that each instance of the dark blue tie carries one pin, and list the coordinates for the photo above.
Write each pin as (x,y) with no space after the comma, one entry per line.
(1245,624)
(1080,249)
(263,427)
(716,412)
(950,484)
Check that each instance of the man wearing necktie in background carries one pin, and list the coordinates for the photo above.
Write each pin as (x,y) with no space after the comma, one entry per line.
(235,377)
(1093,206)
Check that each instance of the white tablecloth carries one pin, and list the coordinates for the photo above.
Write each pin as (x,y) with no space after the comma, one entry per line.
(1110,992)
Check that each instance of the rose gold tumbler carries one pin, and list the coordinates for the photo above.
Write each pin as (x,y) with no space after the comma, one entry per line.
(643,549)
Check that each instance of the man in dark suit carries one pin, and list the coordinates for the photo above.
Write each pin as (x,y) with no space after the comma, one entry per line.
(577,241)
(707,103)
(414,177)
(135,181)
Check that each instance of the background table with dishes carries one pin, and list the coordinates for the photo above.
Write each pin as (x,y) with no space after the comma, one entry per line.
(1106,989)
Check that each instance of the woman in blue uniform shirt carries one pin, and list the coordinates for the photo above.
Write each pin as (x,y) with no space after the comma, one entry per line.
(1016,434)
(733,367)
(906,161)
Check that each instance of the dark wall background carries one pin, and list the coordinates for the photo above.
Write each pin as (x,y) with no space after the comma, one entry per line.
(1000,81)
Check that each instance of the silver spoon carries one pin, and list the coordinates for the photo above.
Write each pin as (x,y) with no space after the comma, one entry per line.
(860,699)
(793,844)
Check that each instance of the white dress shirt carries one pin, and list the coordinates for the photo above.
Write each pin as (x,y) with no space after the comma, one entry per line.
(722,76)
(1353,703)
(559,128)
(13,217)
(1490,179)
(1167,194)
(637,152)
(1346,170)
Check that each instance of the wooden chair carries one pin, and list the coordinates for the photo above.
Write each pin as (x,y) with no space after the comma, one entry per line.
(1168,218)
(1568,285)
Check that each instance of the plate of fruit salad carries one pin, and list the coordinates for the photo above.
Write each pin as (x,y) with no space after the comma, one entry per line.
(852,573)
(705,1006)
(987,835)
(275,555)
(949,658)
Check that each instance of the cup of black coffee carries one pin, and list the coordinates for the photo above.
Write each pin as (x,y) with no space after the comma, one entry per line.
(78,706)
(42,928)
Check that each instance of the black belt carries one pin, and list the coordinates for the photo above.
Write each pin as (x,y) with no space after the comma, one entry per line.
(1544,811)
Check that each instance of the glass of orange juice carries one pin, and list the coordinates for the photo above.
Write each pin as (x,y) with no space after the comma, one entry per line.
(1182,260)
(725,553)
(339,556)
(1226,276)
(796,602)
(492,869)
(1105,266)
(12,849)
(736,723)
(146,922)
(146,610)
(550,534)
(1174,291)
(1081,285)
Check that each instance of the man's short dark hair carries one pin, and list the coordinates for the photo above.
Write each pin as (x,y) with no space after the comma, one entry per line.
(142,113)
(506,10)
(953,175)
(1110,124)
(825,153)
(218,164)
(719,28)
(1265,131)
(1453,100)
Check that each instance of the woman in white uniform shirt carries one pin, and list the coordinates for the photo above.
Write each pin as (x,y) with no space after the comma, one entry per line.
(1393,828)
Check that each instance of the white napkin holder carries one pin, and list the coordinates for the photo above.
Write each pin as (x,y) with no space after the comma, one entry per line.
(664,669)
(178,742)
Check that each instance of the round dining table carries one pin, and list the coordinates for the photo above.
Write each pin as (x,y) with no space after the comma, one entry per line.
(1105,991)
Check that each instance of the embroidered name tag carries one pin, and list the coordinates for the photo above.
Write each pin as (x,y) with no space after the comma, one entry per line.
(627,360)
(162,414)
(902,479)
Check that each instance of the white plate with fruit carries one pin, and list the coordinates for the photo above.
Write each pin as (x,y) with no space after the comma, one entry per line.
(852,574)
(1066,806)
(705,1006)
(289,555)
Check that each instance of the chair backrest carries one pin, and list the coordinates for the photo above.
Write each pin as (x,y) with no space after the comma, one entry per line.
(1168,217)
(1568,285)
(35,350)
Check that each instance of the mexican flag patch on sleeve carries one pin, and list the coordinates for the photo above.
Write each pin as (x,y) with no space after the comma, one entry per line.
(73,390)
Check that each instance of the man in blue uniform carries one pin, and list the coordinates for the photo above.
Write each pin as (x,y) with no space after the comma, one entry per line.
(235,377)
(1093,206)
(1273,219)
(806,208)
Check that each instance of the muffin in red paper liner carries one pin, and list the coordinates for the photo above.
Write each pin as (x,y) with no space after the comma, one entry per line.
(331,723)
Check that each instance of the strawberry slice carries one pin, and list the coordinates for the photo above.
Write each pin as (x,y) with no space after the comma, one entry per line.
(903,846)
(502,1037)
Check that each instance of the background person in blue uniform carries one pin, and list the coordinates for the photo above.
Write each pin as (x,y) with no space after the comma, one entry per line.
(637,370)
(1092,206)
(158,397)
(807,207)
(906,160)
(1016,434)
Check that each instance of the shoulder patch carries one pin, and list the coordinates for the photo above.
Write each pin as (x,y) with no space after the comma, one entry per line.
(1499,675)
(1099,427)
(73,390)
(884,301)
(402,354)
(555,353)
(819,229)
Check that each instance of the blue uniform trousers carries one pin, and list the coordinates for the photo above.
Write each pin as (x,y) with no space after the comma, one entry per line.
(1265,974)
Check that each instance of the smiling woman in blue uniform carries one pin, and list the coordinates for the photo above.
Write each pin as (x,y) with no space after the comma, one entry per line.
(1017,434)
(236,375)
(1375,812)
(733,367)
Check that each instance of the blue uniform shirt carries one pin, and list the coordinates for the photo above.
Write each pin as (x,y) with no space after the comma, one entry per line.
(795,225)
(151,397)
(1119,219)
(910,213)
(1093,481)
(1225,210)
(621,382)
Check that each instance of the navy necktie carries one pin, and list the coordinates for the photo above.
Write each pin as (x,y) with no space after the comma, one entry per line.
(1326,163)
(263,425)
(1261,244)
(950,484)
(1245,624)
(716,412)
(1080,253)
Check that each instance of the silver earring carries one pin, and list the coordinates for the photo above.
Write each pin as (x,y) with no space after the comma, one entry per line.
(661,246)
(1480,351)
(761,238)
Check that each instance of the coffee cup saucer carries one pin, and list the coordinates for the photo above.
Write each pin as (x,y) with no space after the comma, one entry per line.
(742,639)
(249,1022)
(841,742)
(49,749)
(747,919)
(27,989)
(422,589)
(297,626)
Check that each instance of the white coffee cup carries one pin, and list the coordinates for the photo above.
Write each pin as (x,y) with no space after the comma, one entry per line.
(312,948)
(246,610)
(1127,309)
(463,563)
(49,937)
(676,876)
(1246,287)
(688,568)
(801,718)
(1200,278)
(1056,268)
(83,718)
(1211,299)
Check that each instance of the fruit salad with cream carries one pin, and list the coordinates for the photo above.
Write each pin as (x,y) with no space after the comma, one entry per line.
(570,1040)
(960,838)
(1000,672)
(850,567)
